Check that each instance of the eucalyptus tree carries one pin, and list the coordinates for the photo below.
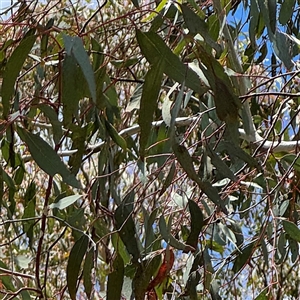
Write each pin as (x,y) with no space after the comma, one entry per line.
(149,149)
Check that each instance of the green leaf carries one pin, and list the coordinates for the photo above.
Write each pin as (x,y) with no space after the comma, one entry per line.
(71,89)
(29,212)
(286,11)
(115,279)
(294,247)
(148,102)
(272,8)
(169,238)
(220,165)
(196,224)
(154,48)
(168,180)
(118,139)
(12,70)
(135,3)
(75,46)
(50,113)
(46,158)
(74,263)
(242,258)
(235,150)
(87,273)
(196,25)
(263,295)
(292,230)
(282,47)
(6,280)
(65,202)
(126,227)
(186,163)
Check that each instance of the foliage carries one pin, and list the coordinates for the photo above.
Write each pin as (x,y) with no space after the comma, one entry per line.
(149,149)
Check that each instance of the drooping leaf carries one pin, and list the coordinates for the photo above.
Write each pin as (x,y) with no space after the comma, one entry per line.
(65,202)
(149,234)
(164,269)
(7,280)
(75,46)
(153,47)
(196,224)
(46,158)
(115,279)
(242,258)
(148,101)
(87,273)
(186,163)
(116,137)
(50,113)
(220,165)
(196,25)
(71,91)
(168,180)
(272,8)
(29,212)
(170,239)
(12,70)
(294,247)
(126,227)
(263,295)
(74,263)
(286,11)
(292,230)
(284,49)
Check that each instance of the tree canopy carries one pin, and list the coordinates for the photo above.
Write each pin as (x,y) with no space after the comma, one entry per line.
(149,149)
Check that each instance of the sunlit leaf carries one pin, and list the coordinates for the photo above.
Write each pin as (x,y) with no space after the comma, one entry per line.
(65,202)
(197,25)
(153,47)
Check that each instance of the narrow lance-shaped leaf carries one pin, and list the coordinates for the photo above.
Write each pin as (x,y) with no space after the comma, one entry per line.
(75,45)
(196,224)
(148,102)
(46,158)
(75,259)
(126,227)
(242,258)
(115,279)
(169,238)
(116,137)
(286,11)
(65,202)
(196,25)
(153,47)
(12,70)
(186,163)
(292,230)
(87,273)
